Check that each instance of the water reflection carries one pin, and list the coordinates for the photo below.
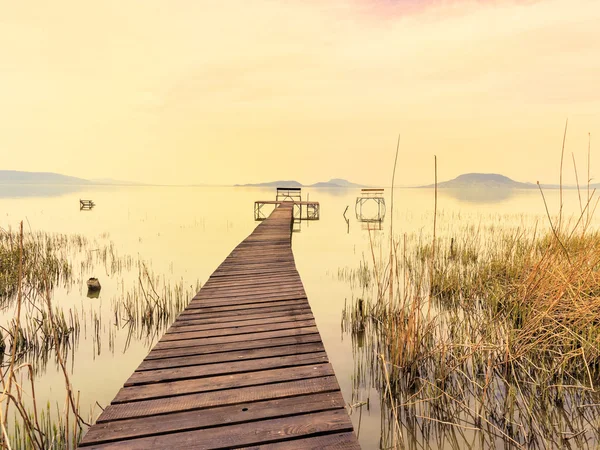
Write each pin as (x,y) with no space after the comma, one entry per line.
(187,232)
(474,407)
(93,294)
(37,190)
(371,225)
(372,220)
(478,195)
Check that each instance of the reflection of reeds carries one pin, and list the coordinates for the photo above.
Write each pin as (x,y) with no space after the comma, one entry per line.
(34,335)
(151,305)
(492,339)
(43,255)
(34,429)
(32,265)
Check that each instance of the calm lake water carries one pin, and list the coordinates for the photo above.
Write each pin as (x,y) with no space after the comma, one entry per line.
(185,232)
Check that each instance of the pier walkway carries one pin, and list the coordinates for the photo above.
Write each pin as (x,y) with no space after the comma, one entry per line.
(243,366)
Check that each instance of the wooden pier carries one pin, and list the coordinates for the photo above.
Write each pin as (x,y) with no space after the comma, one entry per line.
(243,366)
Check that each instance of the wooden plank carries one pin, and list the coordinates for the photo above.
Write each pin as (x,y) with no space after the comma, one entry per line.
(244,301)
(269,283)
(240,324)
(255,262)
(337,441)
(236,290)
(148,400)
(248,273)
(242,266)
(244,434)
(212,333)
(253,286)
(243,345)
(236,355)
(233,367)
(221,318)
(282,294)
(218,416)
(260,255)
(257,306)
(235,338)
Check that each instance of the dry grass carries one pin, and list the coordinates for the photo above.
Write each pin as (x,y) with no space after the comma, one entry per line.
(32,266)
(501,336)
(486,337)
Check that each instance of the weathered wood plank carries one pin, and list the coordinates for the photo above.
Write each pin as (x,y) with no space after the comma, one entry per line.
(236,355)
(234,346)
(236,330)
(239,324)
(221,318)
(218,416)
(233,289)
(234,367)
(235,338)
(148,400)
(244,301)
(242,298)
(245,274)
(271,306)
(248,291)
(244,434)
(346,441)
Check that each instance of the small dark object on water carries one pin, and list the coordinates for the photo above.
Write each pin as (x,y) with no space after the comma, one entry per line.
(93,284)
(86,204)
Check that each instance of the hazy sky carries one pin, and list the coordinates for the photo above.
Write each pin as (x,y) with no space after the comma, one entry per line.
(236,91)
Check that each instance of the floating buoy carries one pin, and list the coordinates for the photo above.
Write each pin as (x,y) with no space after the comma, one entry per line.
(93,284)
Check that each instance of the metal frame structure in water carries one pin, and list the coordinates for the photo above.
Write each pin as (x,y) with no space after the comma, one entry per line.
(86,204)
(366,196)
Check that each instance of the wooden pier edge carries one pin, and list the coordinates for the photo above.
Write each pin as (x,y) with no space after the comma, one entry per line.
(243,366)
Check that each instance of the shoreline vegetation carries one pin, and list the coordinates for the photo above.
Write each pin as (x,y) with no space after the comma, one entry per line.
(493,341)
(33,266)
(483,336)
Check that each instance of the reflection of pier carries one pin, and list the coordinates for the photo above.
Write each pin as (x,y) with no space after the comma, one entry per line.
(242,366)
(371,225)
(301,210)
(370,197)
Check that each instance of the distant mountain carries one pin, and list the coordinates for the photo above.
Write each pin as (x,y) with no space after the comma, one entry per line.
(336,183)
(18,177)
(280,183)
(483,180)
(333,183)
(21,177)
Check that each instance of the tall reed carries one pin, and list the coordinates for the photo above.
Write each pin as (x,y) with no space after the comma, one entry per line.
(493,338)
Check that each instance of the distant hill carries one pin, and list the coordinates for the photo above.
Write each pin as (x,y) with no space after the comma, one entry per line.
(18,177)
(482,180)
(333,183)
(336,183)
(21,177)
(280,183)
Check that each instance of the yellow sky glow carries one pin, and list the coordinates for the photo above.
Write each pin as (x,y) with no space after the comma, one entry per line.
(232,91)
